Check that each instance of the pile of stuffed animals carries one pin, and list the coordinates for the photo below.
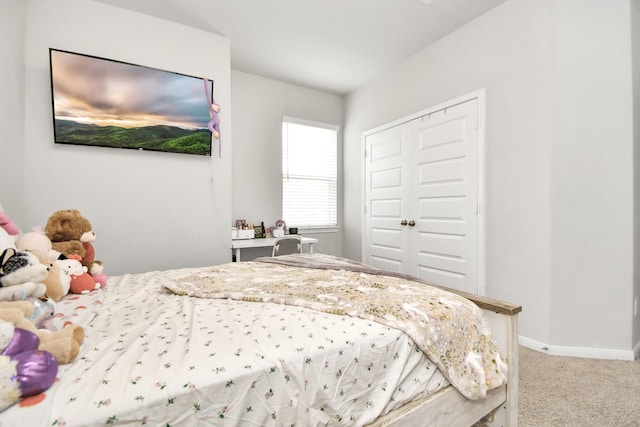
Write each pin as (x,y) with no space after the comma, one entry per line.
(37,269)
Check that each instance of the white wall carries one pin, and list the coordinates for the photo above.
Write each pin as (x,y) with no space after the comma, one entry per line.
(149,210)
(592,174)
(259,105)
(12,18)
(558,209)
(635,48)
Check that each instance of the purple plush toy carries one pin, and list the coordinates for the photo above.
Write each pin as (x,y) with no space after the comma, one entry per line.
(24,370)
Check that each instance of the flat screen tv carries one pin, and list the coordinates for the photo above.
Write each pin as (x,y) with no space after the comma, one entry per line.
(107,103)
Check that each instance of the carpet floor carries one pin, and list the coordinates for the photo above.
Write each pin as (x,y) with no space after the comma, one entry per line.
(568,391)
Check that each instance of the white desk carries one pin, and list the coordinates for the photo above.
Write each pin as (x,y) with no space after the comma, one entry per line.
(237,245)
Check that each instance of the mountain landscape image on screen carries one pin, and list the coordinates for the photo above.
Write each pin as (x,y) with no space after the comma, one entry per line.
(154,138)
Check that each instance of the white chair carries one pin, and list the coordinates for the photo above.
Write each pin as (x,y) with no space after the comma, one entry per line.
(287,245)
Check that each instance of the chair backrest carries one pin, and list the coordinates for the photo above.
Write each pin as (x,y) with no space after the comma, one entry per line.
(287,245)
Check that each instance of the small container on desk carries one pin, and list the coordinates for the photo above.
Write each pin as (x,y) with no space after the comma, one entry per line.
(241,234)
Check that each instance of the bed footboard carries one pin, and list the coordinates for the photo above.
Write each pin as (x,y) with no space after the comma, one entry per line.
(448,407)
(505,331)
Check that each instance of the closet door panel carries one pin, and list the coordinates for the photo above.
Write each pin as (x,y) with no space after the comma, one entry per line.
(386,181)
(445,187)
(442,277)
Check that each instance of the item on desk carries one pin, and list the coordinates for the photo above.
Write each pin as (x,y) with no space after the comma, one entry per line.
(293,230)
(245,234)
(279,229)
(241,234)
(258,231)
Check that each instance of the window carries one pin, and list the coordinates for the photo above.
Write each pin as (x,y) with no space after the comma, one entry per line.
(309,174)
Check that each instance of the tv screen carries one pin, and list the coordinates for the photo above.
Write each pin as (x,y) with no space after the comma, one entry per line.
(107,103)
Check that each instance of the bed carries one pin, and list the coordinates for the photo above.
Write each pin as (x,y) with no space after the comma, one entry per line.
(297,340)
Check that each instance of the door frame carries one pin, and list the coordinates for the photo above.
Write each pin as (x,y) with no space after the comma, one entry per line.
(480,95)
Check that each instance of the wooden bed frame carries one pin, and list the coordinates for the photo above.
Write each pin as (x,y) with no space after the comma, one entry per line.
(448,407)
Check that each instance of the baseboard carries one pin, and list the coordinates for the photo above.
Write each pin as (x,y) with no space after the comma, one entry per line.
(587,352)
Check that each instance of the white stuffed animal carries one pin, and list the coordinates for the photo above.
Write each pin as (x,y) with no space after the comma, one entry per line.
(38,242)
(21,275)
(279,229)
(81,281)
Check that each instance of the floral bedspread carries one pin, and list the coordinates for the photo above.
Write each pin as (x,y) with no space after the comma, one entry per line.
(449,329)
(153,358)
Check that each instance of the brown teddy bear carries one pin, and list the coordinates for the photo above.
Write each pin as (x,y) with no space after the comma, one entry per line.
(71,234)
(64,344)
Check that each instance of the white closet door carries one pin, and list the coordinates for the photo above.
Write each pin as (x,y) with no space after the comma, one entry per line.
(386,199)
(444,185)
(421,197)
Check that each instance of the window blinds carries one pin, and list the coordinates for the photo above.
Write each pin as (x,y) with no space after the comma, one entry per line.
(309,174)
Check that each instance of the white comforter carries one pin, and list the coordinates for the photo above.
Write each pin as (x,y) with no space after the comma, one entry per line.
(154,358)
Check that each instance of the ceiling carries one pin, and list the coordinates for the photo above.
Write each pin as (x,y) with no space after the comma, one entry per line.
(331,45)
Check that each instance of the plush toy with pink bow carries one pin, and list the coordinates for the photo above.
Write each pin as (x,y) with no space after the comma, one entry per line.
(81,282)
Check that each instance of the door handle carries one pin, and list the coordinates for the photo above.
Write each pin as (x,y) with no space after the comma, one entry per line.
(412,223)
(403,222)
